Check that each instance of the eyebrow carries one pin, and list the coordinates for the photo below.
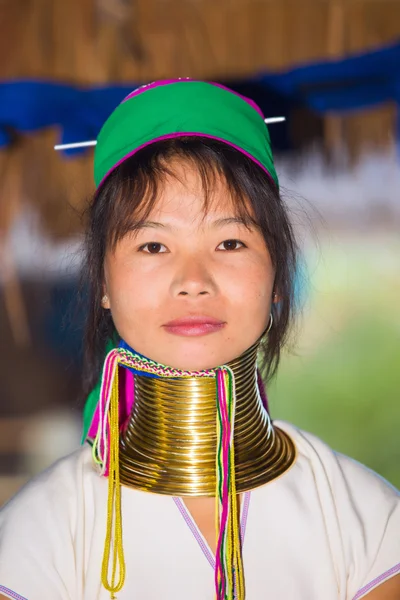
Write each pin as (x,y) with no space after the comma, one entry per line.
(218,223)
(246,221)
(147,224)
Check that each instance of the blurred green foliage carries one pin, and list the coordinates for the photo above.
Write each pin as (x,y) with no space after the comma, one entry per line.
(348,392)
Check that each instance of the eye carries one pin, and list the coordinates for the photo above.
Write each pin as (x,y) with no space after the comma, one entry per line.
(153,248)
(229,245)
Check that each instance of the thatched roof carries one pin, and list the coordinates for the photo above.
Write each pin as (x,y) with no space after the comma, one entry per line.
(96,41)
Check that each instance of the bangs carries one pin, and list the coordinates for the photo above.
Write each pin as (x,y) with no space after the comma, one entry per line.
(135,187)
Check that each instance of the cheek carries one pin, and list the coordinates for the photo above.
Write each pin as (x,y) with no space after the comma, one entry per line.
(134,295)
(251,295)
(254,283)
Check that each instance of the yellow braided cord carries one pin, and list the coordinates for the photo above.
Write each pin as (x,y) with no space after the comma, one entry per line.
(114,516)
(217,482)
(234,541)
(229,557)
(229,554)
(230,564)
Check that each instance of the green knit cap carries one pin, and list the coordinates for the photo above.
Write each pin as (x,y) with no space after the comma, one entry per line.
(183,107)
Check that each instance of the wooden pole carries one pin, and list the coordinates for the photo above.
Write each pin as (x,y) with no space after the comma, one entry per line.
(14,300)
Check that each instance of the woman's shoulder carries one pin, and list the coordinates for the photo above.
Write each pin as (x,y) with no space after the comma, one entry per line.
(360,508)
(41,524)
(54,486)
(333,467)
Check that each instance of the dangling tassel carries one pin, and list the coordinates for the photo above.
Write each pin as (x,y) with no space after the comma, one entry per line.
(229,580)
(106,454)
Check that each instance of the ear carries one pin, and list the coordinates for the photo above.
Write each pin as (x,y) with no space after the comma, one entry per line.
(276,298)
(105,301)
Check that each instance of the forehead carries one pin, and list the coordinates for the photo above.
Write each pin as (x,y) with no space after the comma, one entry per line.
(183,192)
(186,193)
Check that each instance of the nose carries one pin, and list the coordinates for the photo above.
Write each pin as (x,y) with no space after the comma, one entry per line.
(193,279)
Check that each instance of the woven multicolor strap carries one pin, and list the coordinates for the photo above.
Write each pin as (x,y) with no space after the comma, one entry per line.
(229,580)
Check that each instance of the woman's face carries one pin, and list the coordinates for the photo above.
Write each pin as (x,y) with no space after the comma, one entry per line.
(189,290)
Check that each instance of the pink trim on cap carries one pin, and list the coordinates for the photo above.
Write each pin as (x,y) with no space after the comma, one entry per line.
(162,82)
(245,98)
(179,134)
(154,84)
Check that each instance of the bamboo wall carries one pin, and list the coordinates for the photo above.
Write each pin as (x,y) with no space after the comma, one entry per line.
(94,41)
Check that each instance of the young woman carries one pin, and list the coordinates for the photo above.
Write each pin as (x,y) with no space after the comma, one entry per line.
(186,488)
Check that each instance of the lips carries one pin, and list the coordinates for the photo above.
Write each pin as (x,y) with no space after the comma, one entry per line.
(194,325)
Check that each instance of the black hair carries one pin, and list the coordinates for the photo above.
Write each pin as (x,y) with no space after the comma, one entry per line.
(127,197)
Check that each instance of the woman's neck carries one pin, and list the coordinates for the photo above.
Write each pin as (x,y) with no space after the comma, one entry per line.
(170,442)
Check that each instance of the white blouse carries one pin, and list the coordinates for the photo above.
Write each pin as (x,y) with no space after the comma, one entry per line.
(328,528)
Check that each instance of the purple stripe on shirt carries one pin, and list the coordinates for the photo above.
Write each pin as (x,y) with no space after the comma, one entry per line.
(377,581)
(196,532)
(11,594)
(245,514)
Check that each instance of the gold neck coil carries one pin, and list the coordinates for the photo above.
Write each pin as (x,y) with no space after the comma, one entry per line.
(169,445)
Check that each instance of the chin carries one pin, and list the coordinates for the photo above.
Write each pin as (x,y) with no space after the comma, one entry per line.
(189,356)
(193,364)
(190,353)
